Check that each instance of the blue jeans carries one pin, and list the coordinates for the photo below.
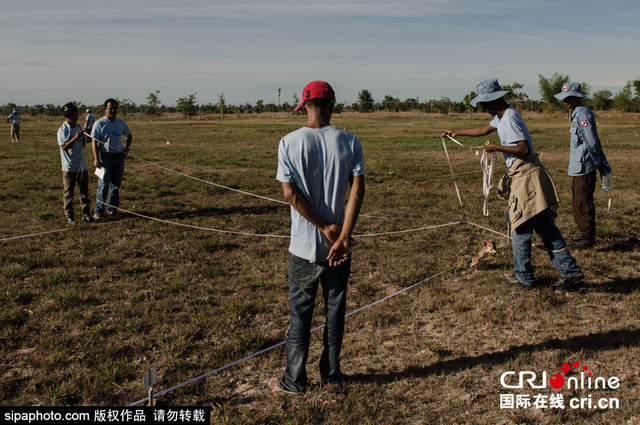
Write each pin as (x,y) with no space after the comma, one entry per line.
(304,277)
(544,225)
(113,166)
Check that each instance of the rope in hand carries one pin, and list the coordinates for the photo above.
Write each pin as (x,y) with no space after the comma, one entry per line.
(487,162)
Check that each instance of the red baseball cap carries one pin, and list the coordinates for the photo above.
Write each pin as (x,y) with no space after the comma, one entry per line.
(316,90)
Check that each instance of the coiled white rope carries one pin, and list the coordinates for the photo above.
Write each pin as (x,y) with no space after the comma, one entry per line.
(487,162)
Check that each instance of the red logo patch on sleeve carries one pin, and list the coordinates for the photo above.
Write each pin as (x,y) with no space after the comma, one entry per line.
(584,123)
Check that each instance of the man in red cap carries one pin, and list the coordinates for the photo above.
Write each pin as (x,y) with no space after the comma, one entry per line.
(316,165)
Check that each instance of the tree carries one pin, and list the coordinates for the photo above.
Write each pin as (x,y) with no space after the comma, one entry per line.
(153,100)
(516,96)
(221,101)
(126,105)
(602,99)
(187,105)
(624,99)
(390,103)
(636,86)
(467,101)
(550,87)
(259,105)
(365,101)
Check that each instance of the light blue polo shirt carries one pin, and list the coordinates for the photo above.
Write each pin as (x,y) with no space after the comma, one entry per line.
(511,130)
(320,161)
(109,134)
(72,159)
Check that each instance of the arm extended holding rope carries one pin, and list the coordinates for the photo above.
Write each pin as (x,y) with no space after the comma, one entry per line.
(483,130)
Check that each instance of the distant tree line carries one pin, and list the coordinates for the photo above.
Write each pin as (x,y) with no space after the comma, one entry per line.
(626,100)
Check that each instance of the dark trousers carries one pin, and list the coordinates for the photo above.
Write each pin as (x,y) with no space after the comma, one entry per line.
(584,209)
(69,181)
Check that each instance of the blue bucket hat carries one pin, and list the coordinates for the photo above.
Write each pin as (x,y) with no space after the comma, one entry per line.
(570,89)
(487,91)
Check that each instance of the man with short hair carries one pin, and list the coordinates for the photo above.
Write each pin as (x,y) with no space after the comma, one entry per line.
(527,185)
(585,157)
(316,164)
(14,119)
(109,154)
(74,168)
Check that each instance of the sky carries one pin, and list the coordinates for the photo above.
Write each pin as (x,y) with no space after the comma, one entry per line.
(245,50)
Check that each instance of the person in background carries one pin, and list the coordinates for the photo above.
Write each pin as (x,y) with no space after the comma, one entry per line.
(526,176)
(89,121)
(14,119)
(585,157)
(109,153)
(74,168)
(316,165)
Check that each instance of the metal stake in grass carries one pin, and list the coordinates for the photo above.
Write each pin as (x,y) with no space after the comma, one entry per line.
(150,377)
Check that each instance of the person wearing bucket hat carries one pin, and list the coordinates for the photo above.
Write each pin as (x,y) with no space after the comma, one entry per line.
(74,168)
(14,119)
(526,176)
(316,164)
(585,157)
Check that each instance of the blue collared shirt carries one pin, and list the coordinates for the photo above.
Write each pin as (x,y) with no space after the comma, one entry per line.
(586,153)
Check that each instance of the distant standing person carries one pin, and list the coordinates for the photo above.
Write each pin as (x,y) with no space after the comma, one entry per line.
(532,195)
(585,157)
(74,168)
(89,121)
(109,154)
(14,119)
(316,164)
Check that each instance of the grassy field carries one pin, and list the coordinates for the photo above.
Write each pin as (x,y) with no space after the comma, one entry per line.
(86,310)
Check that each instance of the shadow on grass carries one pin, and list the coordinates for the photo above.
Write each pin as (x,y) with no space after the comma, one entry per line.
(623,244)
(599,341)
(618,286)
(237,209)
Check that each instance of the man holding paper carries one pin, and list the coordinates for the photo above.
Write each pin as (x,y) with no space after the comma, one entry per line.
(108,158)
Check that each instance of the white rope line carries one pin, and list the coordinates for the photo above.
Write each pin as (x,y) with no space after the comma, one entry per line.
(47,232)
(216,184)
(34,234)
(191,226)
(490,230)
(198,179)
(470,147)
(408,230)
(266,234)
(452,175)
(205,375)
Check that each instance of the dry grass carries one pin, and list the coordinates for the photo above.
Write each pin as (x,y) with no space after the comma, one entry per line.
(84,312)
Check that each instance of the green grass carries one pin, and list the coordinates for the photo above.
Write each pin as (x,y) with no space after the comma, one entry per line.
(84,312)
